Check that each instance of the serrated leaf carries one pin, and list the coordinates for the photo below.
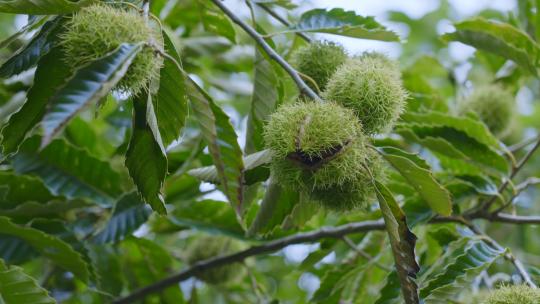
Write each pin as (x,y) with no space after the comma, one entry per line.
(128,215)
(473,128)
(255,170)
(50,74)
(402,241)
(170,102)
(42,7)
(345,23)
(29,56)
(465,263)
(276,205)
(222,142)
(49,246)
(335,282)
(499,38)
(17,287)
(88,85)
(457,145)
(22,188)
(69,171)
(146,160)
(30,210)
(420,178)
(208,215)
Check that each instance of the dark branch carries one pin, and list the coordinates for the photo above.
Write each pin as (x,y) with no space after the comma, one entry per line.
(304,88)
(308,237)
(268,247)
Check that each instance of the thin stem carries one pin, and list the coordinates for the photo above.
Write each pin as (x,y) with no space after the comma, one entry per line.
(304,88)
(363,254)
(281,19)
(508,255)
(514,172)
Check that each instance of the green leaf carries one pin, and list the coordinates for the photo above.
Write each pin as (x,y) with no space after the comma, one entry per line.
(49,246)
(107,264)
(420,178)
(145,262)
(402,241)
(276,205)
(17,287)
(455,144)
(222,143)
(42,7)
(14,250)
(18,190)
(128,215)
(30,210)
(472,127)
(255,169)
(208,215)
(69,171)
(146,160)
(263,101)
(499,38)
(88,85)
(50,74)
(216,22)
(336,283)
(170,102)
(29,56)
(345,23)
(463,261)
(389,294)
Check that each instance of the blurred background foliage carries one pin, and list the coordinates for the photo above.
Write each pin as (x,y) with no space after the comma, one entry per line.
(223,60)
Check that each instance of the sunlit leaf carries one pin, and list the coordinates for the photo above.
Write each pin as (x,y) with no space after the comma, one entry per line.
(18,287)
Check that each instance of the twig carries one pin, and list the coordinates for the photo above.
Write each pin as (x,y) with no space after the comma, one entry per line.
(302,86)
(519,188)
(146,9)
(508,255)
(268,247)
(281,19)
(520,145)
(515,171)
(363,254)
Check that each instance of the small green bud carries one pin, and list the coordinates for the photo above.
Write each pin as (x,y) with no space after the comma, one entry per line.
(494,105)
(99,29)
(320,149)
(319,60)
(514,294)
(206,247)
(371,86)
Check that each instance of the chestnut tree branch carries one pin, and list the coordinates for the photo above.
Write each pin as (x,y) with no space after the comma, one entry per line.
(327,232)
(302,86)
(271,246)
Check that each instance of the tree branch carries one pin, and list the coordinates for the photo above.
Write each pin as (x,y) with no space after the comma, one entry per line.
(268,247)
(326,232)
(304,88)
